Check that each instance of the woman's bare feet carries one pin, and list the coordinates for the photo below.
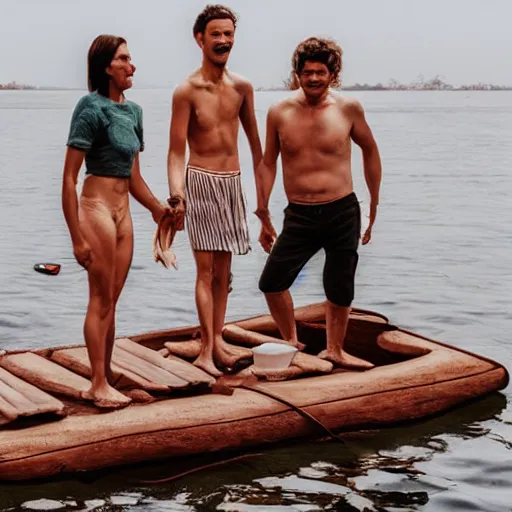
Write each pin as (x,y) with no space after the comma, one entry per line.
(105,396)
(206,363)
(344,359)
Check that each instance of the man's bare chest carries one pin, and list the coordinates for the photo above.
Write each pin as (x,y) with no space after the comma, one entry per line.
(211,109)
(325,132)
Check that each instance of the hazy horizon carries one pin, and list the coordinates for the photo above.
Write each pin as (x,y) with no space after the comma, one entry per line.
(44,44)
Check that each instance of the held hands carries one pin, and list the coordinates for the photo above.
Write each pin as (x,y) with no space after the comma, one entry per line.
(178,207)
(160,211)
(83,253)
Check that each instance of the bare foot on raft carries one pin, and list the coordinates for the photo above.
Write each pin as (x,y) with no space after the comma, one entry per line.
(228,354)
(106,397)
(227,361)
(298,345)
(345,360)
(206,364)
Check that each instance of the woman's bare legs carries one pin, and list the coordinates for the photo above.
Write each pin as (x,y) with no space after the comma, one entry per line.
(123,261)
(99,229)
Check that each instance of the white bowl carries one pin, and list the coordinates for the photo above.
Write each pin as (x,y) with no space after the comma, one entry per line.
(273,356)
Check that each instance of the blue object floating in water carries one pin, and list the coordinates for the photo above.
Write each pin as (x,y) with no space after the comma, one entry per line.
(51,269)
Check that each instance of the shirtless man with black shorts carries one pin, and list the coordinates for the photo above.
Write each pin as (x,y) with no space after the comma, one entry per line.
(207,109)
(313,130)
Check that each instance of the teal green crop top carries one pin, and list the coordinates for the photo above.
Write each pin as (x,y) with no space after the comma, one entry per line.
(110,133)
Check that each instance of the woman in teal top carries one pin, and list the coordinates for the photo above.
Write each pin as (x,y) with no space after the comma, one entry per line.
(106,130)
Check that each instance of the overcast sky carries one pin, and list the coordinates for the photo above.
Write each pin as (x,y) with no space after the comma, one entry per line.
(45,42)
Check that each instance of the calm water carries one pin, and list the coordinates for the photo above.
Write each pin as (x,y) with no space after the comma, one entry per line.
(439,264)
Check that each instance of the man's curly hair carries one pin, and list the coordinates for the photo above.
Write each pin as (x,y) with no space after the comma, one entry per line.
(213,12)
(317,49)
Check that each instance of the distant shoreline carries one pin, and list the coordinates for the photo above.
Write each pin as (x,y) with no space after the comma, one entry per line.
(279,89)
(389,89)
(421,85)
(433,84)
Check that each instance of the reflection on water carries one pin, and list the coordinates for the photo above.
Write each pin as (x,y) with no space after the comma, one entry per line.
(439,264)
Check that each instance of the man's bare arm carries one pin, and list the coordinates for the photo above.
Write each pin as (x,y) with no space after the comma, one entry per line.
(180,117)
(266,171)
(249,124)
(265,177)
(362,135)
(141,192)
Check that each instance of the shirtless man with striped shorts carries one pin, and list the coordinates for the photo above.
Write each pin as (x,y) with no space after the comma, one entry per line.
(207,192)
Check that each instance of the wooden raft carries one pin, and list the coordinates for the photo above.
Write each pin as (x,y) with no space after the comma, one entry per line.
(136,366)
(28,379)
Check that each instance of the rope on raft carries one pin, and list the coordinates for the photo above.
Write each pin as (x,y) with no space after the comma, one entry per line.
(296,408)
(268,394)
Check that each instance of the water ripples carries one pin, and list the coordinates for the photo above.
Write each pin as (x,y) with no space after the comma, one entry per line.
(439,264)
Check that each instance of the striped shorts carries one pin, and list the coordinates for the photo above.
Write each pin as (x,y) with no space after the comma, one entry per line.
(216,216)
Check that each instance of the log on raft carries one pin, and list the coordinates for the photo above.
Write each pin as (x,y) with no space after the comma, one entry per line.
(44,374)
(20,399)
(306,362)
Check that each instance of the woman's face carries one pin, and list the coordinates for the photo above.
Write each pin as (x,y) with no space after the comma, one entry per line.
(121,69)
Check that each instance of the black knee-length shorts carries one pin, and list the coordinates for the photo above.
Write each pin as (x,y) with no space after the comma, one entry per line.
(334,227)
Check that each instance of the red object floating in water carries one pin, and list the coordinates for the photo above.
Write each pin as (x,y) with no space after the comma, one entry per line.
(47,268)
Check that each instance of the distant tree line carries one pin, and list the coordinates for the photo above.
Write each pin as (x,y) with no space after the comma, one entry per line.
(13,86)
(434,84)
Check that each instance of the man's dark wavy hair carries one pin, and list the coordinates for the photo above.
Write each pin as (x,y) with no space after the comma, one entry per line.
(213,12)
(317,49)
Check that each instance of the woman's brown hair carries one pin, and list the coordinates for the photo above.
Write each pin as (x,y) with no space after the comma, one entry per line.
(101,53)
